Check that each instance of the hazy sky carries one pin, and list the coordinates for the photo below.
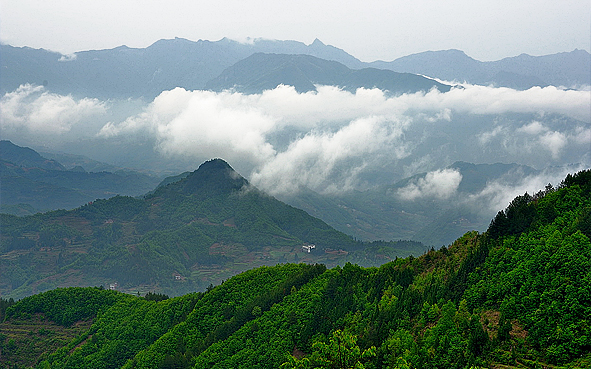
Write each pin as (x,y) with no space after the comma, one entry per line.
(369,30)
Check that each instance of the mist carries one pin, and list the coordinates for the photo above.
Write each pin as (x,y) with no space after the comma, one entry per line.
(331,141)
(499,193)
(32,109)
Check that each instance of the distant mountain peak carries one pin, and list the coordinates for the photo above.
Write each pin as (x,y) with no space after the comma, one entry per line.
(213,177)
(266,71)
(26,157)
(215,164)
(317,42)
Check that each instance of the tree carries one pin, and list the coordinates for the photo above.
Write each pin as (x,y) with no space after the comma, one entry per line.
(341,352)
(478,337)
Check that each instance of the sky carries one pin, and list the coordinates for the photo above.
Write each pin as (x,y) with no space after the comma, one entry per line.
(370,30)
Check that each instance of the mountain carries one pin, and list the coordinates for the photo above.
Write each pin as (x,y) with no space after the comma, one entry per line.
(563,69)
(381,213)
(183,236)
(42,184)
(26,157)
(520,72)
(514,296)
(260,72)
(125,72)
(72,161)
(129,72)
(445,64)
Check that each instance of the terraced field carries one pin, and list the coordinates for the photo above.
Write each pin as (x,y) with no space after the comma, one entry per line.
(24,343)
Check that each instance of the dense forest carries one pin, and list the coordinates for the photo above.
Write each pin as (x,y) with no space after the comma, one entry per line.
(515,296)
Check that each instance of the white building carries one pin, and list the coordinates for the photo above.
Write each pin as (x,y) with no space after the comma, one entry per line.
(308,248)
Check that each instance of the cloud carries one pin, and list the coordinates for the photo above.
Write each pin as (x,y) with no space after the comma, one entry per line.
(536,138)
(554,142)
(582,136)
(440,184)
(327,140)
(328,162)
(31,108)
(499,193)
(486,137)
(534,128)
(203,124)
(68,57)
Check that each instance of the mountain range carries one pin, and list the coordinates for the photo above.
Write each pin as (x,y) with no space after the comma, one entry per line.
(125,72)
(128,72)
(203,228)
(260,72)
(33,183)
(568,69)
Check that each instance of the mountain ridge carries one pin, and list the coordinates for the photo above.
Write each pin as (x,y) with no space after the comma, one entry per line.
(31,182)
(199,230)
(145,72)
(125,72)
(262,71)
(524,71)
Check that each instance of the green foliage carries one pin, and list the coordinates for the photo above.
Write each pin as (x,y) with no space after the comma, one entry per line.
(65,306)
(341,352)
(5,304)
(520,298)
(541,275)
(152,296)
(210,220)
(122,330)
(223,311)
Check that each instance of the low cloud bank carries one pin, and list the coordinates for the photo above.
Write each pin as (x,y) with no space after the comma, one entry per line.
(33,109)
(329,162)
(331,140)
(338,134)
(499,193)
(440,184)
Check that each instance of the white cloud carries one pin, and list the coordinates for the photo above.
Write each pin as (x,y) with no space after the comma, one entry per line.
(583,136)
(328,162)
(554,142)
(534,128)
(31,108)
(485,137)
(326,140)
(499,193)
(203,123)
(440,184)
(68,57)
(476,99)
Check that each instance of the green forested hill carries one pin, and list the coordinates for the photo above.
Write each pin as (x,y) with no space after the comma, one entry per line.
(180,238)
(516,296)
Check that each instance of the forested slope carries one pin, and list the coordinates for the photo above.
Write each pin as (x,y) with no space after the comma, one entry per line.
(180,238)
(518,295)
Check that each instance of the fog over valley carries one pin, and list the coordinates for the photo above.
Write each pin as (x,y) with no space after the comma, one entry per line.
(330,141)
(381,150)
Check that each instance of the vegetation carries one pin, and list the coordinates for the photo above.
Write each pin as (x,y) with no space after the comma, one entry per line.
(197,231)
(518,295)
